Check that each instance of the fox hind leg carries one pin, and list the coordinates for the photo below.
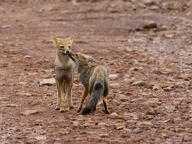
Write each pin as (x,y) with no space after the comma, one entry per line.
(105,105)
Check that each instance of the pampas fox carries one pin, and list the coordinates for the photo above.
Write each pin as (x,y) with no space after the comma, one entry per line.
(64,69)
(95,81)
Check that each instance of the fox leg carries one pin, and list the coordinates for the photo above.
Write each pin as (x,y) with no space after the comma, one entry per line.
(105,105)
(106,91)
(85,93)
(62,107)
(58,95)
(68,97)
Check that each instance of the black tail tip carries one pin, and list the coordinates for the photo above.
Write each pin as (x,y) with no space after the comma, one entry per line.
(86,111)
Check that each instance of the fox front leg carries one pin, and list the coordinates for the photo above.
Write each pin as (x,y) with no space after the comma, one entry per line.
(68,98)
(85,93)
(58,95)
(62,106)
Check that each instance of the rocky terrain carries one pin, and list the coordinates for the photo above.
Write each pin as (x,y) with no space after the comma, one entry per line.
(146,44)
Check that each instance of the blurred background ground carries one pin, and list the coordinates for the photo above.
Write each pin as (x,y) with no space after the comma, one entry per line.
(147,46)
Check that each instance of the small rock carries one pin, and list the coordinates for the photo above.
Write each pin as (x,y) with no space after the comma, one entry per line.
(40,137)
(115,85)
(133,62)
(1,45)
(114,114)
(138,100)
(145,124)
(129,49)
(113,76)
(50,81)
(22,83)
(28,94)
(154,7)
(102,124)
(35,103)
(139,83)
(136,68)
(123,97)
(120,126)
(116,102)
(75,123)
(168,35)
(31,112)
(23,94)
(140,5)
(189,13)
(11,105)
(144,94)
(149,2)
(85,125)
(169,88)
(128,116)
(186,77)
(5,26)
(104,135)
(153,101)
(27,56)
(153,86)
(150,24)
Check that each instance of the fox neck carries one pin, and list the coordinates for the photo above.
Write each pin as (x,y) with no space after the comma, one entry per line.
(61,59)
(83,67)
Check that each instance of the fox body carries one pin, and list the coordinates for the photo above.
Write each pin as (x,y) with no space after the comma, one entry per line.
(64,69)
(95,81)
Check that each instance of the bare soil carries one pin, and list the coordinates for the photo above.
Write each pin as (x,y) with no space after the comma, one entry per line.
(150,96)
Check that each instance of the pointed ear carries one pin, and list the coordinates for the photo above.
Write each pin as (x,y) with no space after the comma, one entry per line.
(88,58)
(70,40)
(55,40)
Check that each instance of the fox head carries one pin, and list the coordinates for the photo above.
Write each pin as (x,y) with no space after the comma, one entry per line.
(81,59)
(63,45)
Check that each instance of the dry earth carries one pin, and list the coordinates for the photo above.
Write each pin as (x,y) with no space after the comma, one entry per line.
(150,96)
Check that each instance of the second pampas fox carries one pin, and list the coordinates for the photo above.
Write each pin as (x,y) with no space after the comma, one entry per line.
(95,81)
(64,69)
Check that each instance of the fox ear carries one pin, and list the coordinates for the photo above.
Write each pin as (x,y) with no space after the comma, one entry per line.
(55,40)
(88,58)
(70,40)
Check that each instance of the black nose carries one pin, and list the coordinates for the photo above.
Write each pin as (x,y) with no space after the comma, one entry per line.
(67,52)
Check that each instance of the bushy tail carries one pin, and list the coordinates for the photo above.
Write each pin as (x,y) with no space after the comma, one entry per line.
(97,92)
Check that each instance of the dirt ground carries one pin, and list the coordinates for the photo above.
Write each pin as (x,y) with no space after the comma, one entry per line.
(150,99)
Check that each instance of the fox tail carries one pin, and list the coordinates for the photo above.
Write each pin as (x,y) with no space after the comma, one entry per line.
(97,92)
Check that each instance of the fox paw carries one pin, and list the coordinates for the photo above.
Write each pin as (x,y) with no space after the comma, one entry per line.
(79,109)
(62,110)
(67,108)
(72,107)
(106,111)
(57,108)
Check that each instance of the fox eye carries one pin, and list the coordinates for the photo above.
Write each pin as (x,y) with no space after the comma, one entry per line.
(69,47)
(61,46)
